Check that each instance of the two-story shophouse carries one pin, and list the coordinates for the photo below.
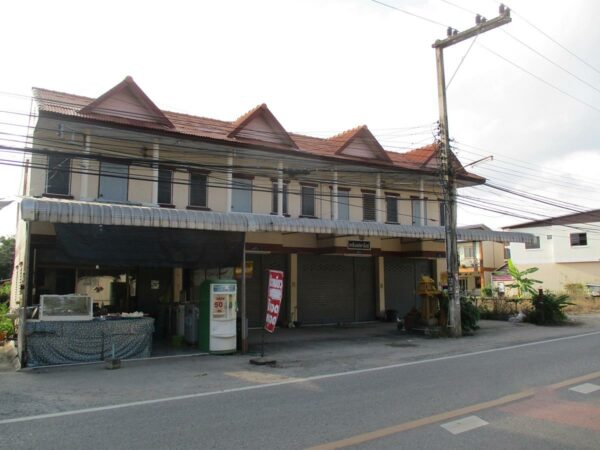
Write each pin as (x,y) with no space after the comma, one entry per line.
(157,200)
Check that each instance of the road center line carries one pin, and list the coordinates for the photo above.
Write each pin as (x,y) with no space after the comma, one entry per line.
(286,382)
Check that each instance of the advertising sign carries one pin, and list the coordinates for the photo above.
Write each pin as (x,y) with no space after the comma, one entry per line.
(274,297)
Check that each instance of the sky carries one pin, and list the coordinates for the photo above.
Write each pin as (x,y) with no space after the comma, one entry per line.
(325,66)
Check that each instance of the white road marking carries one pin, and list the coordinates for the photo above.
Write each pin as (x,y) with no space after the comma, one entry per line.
(465,424)
(585,388)
(286,382)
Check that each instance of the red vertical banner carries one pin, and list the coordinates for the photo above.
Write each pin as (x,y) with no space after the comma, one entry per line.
(274,297)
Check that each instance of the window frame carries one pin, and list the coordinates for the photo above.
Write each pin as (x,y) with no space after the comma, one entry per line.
(304,194)
(247,190)
(535,246)
(388,199)
(163,181)
(52,170)
(369,214)
(580,240)
(109,177)
(275,199)
(191,203)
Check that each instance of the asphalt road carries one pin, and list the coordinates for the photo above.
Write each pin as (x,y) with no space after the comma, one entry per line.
(512,391)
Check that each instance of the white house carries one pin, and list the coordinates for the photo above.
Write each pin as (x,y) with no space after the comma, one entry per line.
(566,251)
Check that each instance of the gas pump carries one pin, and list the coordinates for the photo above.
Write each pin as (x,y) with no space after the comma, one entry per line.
(217,316)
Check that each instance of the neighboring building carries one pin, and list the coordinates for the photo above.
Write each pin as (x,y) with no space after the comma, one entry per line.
(116,187)
(477,261)
(566,250)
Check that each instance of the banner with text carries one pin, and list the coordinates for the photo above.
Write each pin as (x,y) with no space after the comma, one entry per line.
(274,297)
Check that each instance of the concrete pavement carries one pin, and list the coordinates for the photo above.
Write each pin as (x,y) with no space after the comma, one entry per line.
(417,372)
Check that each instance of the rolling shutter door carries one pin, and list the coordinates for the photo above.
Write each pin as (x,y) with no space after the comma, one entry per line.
(364,289)
(334,289)
(325,289)
(256,288)
(402,278)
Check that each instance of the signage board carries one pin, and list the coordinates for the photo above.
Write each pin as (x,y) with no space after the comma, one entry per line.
(274,298)
(359,245)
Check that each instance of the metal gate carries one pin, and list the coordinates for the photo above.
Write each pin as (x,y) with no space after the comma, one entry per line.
(401,280)
(334,289)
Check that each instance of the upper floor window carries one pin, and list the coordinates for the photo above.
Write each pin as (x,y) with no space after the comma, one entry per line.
(241,197)
(275,198)
(165,185)
(369,213)
(59,174)
(578,239)
(534,244)
(307,207)
(114,179)
(391,203)
(198,189)
(342,203)
(419,211)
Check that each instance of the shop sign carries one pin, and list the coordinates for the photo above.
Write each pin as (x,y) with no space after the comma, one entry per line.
(219,302)
(359,245)
(274,297)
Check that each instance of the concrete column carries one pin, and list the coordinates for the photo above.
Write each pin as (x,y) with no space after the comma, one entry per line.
(229,183)
(293,287)
(381,283)
(379,206)
(85,166)
(155,159)
(423,202)
(280,188)
(335,201)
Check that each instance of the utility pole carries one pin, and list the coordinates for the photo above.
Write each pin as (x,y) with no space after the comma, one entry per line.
(447,171)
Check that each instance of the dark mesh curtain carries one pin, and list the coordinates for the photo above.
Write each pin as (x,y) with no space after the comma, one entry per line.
(147,247)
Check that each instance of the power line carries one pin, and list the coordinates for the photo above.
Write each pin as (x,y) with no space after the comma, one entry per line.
(404,11)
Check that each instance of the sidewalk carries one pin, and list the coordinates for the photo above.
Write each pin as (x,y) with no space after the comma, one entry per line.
(300,353)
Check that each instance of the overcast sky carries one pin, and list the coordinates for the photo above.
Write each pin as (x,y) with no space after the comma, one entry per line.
(324,66)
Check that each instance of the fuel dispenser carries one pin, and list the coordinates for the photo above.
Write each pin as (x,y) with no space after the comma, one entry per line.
(217,316)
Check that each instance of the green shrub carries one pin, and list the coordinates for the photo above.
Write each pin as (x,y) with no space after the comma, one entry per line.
(6,324)
(5,293)
(548,309)
(487,291)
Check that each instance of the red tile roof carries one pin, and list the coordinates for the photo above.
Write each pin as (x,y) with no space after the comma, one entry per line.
(420,159)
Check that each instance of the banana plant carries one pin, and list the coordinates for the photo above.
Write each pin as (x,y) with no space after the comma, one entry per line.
(522,283)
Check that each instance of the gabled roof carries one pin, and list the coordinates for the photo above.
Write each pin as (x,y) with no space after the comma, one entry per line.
(250,125)
(137,105)
(241,131)
(359,142)
(590,216)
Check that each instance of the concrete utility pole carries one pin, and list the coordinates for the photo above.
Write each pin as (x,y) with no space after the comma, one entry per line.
(449,187)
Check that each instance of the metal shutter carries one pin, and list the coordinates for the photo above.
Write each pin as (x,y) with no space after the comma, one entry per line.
(256,288)
(334,289)
(402,278)
(364,289)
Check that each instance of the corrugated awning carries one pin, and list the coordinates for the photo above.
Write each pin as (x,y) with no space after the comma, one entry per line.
(70,211)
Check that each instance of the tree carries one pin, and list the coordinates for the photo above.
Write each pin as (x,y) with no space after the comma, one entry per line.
(7,256)
(522,283)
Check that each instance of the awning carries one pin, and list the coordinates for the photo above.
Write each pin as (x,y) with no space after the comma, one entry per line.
(70,211)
